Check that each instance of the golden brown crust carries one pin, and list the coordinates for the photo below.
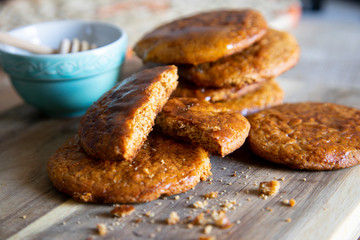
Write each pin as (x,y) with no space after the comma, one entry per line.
(215,129)
(267,95)
(190,90)
(203,37)
(116,126)
(274,54)
(309,135)
(162,167)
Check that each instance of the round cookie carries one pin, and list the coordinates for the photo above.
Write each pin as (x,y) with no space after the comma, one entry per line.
(267,95)
(274,54)
(189,90)
(309,135)
(162,167)
(203,37)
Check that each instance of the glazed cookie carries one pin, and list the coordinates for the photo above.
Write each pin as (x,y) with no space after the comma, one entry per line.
(116,126)
(163,166)
(190,90)
(274,54)
(309,135)
(204,37)
(217,130)
(267,95)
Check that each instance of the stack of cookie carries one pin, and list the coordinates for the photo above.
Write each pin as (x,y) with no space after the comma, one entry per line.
(118,157)
(227,57)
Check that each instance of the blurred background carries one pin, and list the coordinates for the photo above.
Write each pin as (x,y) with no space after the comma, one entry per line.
(140,16)
(327,30)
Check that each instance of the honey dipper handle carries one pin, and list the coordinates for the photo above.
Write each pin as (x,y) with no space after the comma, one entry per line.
(22,44)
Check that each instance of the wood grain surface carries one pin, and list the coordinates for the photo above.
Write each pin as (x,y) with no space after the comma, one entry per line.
(328,202)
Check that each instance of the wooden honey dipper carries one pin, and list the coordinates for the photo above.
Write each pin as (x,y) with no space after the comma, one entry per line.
(66,46)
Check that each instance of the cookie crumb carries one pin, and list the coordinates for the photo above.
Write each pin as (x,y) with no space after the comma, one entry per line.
(207,229)
(149,214)
(123,210)
(177,197)
(190,226)
(211,195)
(263,196)
(200,204)
(102,230)
(220,219)
(23,217)
(269,209)
(269,188)
(304,179)
(200,219)
(290,202)
(288,220)
(173,218)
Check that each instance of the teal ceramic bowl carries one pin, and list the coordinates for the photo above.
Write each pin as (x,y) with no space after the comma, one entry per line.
(65,84)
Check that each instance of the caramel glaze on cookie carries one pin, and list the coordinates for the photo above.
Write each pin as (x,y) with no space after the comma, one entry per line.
(163,166)
(309,135)
(190,90)
(274,54)
(267,95)
(116,125)
(203,37)
(218,130)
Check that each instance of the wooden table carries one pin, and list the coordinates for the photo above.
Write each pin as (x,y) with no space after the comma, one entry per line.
(328,203)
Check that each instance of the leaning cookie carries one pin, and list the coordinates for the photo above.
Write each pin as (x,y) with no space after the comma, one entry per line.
(267,95)
(203,37)
(218,130)
(116,126)
(313,136)
(274,54)
(162,167)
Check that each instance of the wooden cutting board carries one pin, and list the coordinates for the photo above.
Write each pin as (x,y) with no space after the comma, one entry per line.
(327,202)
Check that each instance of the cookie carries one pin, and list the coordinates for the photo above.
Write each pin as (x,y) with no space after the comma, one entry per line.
(202,37)
(267,95)
(309,135)
(116,126)
(217,130)
(163,166)
(190,90)
(274,54)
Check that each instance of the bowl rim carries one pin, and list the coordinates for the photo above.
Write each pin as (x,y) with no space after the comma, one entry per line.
(123,37)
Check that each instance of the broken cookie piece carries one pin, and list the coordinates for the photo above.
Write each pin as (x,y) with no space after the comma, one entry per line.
(218,130)
(269,188)
(116,126)
(123,210)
